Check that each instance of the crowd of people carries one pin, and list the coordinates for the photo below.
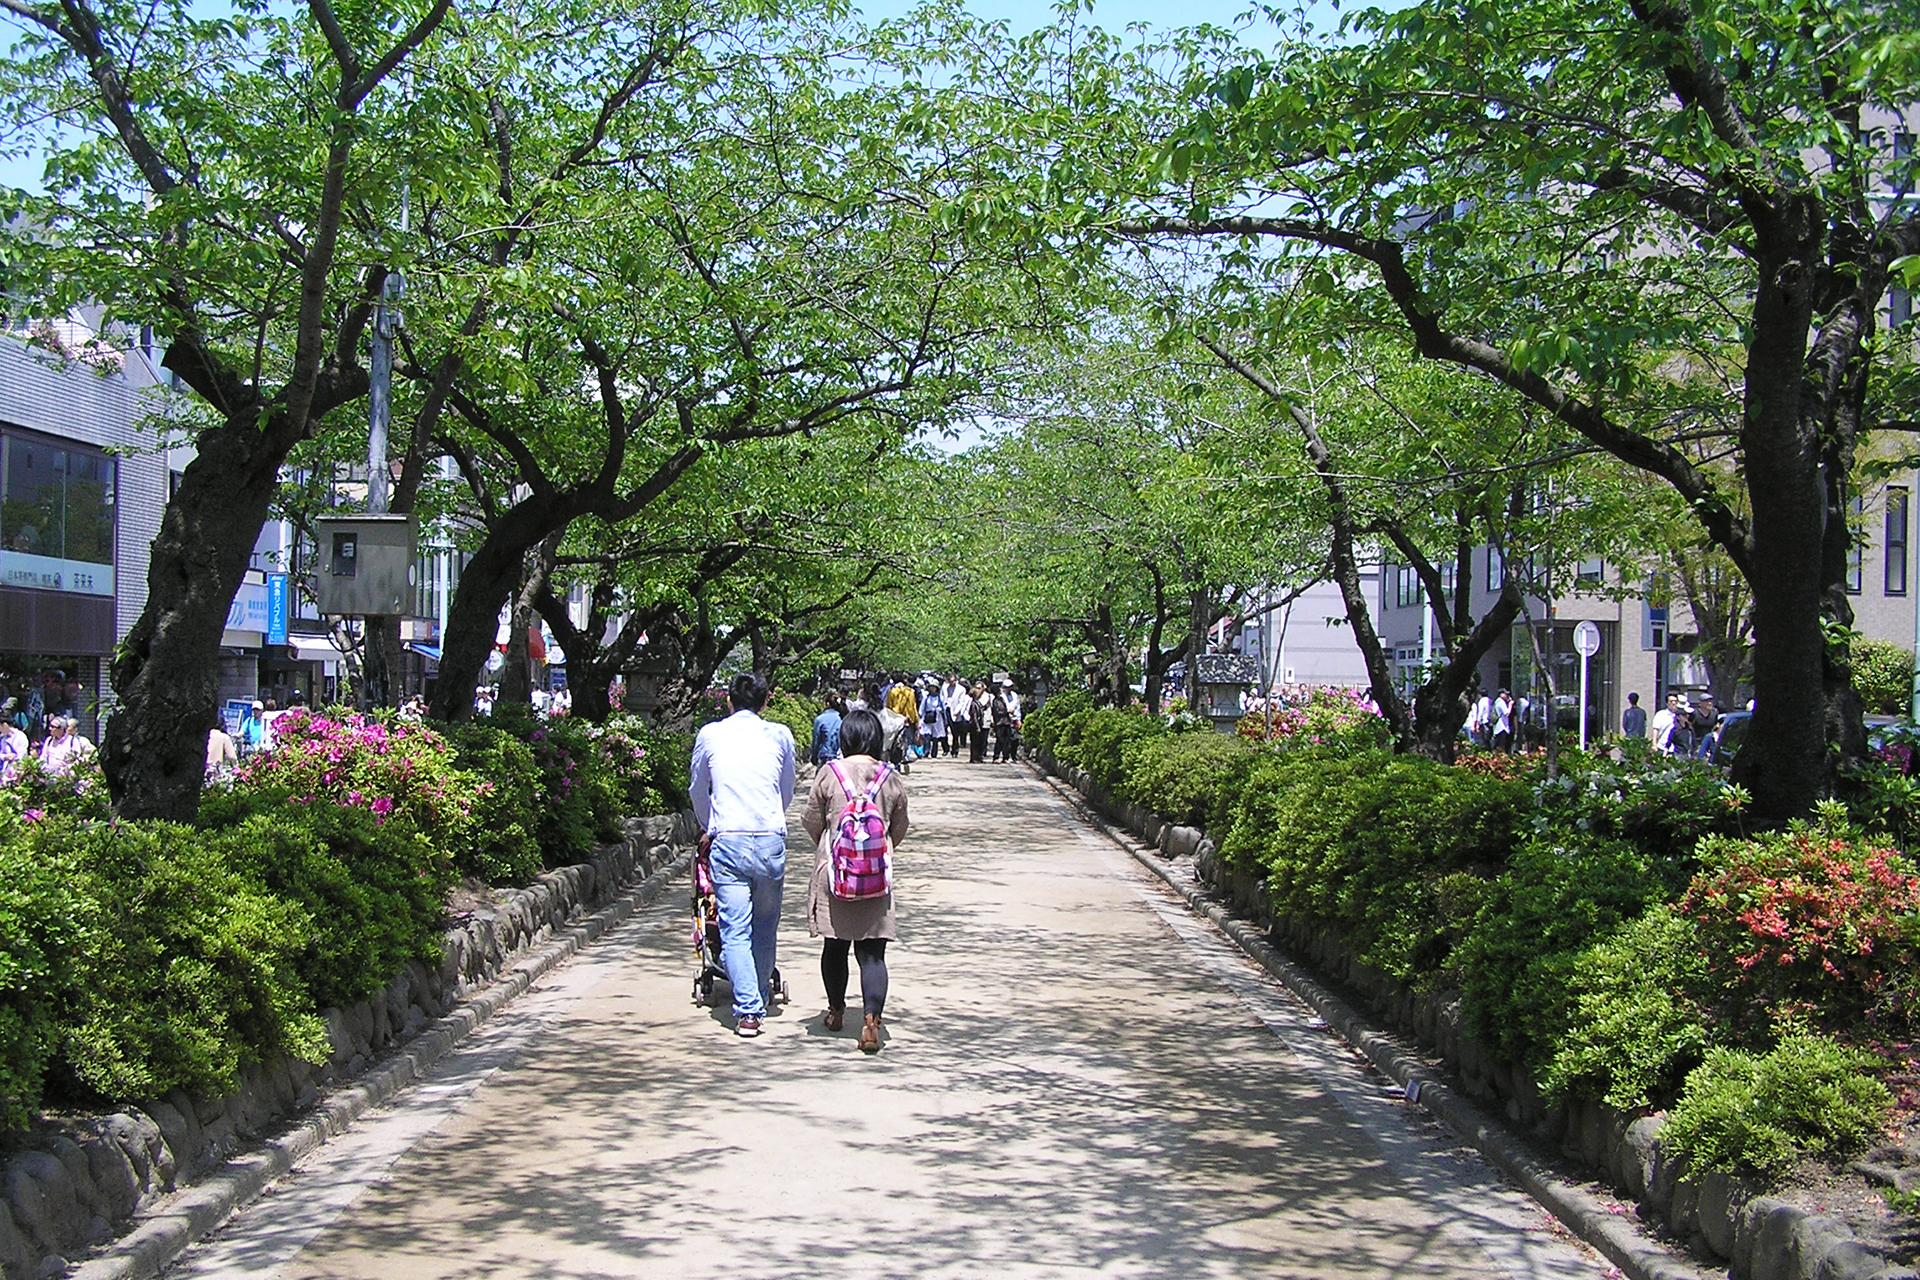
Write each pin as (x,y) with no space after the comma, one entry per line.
(1499,721)
(40,720)
(926,718)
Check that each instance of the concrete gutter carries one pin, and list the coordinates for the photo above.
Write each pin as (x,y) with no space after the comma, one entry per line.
(1583,1213)
(166,1231)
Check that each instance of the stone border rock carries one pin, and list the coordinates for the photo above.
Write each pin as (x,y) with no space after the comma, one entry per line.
(161,1173)
(1761,1238)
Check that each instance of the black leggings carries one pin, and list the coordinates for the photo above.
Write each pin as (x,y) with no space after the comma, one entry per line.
(872,955)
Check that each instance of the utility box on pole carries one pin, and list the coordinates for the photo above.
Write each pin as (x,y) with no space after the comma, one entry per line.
(366,564)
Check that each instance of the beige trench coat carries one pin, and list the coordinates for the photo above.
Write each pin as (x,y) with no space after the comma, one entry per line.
(828,916)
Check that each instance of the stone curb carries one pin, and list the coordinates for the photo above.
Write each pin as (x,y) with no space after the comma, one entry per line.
(1582,1212)
(167,1232)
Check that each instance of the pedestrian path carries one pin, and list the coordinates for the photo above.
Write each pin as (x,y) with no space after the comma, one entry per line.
(1080,1080)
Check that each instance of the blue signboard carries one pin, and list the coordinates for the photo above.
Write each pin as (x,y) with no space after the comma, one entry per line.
(276,608)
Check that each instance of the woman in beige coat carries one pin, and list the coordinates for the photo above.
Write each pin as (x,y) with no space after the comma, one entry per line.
(864,925)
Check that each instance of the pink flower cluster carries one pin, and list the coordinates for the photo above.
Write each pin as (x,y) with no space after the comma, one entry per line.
(356,762)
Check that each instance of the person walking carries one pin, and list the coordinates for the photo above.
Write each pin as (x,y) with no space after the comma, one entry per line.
(933,720)
(959,712)
(826,732)
(742,782)
(1664,721)
(980,719)
(903,702)
(1002,715)
(1633,721)
(863,925)
(1502,737)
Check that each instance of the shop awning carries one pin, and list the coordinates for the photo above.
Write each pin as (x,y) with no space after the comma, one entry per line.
(314,649)
(430,651)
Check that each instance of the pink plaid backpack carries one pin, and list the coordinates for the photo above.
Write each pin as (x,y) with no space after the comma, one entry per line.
(860,864)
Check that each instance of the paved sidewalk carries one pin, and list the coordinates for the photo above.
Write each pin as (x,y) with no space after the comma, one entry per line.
(1080,1079)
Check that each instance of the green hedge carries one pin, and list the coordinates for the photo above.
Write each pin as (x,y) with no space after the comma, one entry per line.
(141,957)
(1609,929)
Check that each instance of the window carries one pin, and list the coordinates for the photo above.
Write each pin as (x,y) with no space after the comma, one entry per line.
(1902,144)
(1899,308)
(56,516)
(1590,573)
(1410,593)
(1496,568)
(1896,566)
(1856,549)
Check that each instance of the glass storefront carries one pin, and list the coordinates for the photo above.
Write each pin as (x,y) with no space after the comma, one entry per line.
(56,516)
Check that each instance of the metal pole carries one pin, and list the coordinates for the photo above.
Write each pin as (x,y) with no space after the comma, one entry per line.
(1586,660)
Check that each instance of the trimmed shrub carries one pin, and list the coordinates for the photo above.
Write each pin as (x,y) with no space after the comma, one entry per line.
(1367,844)
(1098,737)
(1659,804)
(193,971)
(1747,1113)
(46,921)
(505,847)
(1184,777)
(1883,676)
(1043,728)
(378,889)
(1554,900)
(1636,1026)
(80,793)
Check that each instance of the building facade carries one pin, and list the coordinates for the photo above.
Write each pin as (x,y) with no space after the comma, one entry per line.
(83,480)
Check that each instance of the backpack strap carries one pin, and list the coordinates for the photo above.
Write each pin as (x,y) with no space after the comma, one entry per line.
(880,777)
(842,777)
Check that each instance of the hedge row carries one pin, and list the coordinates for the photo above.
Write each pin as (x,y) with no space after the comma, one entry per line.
(141,957)
(1611,928)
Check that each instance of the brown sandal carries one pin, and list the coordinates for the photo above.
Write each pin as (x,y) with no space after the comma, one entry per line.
(870,1035)
(835,1019)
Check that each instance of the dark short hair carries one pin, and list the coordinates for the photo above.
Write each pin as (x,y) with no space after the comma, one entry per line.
(748,690)
(860,734)
(1633,697)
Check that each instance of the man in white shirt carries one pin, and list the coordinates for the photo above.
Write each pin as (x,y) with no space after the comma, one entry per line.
(1665,720)
(743,772)
(959,712)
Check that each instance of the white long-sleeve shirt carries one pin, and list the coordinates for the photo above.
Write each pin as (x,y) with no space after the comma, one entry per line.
(743,770)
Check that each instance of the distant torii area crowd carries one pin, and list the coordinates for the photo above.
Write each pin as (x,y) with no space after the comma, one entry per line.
(926,717)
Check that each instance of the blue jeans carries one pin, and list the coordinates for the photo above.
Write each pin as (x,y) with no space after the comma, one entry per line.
(749,873)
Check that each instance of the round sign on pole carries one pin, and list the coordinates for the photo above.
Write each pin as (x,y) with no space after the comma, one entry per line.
(1586,639)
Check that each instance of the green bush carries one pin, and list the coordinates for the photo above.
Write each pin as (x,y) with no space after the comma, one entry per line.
(1659,804)
(378,890)
(1184,777)
(1554,900)
(1043,728)
(505,848)
(193,972)
(1883,676)
(1372,844)
(1747,1113)
(795,712)
(1099,737)
(1636,1027)
(46,922)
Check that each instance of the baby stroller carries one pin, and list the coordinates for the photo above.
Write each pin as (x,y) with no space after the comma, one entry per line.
(893,730)
(706,936)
